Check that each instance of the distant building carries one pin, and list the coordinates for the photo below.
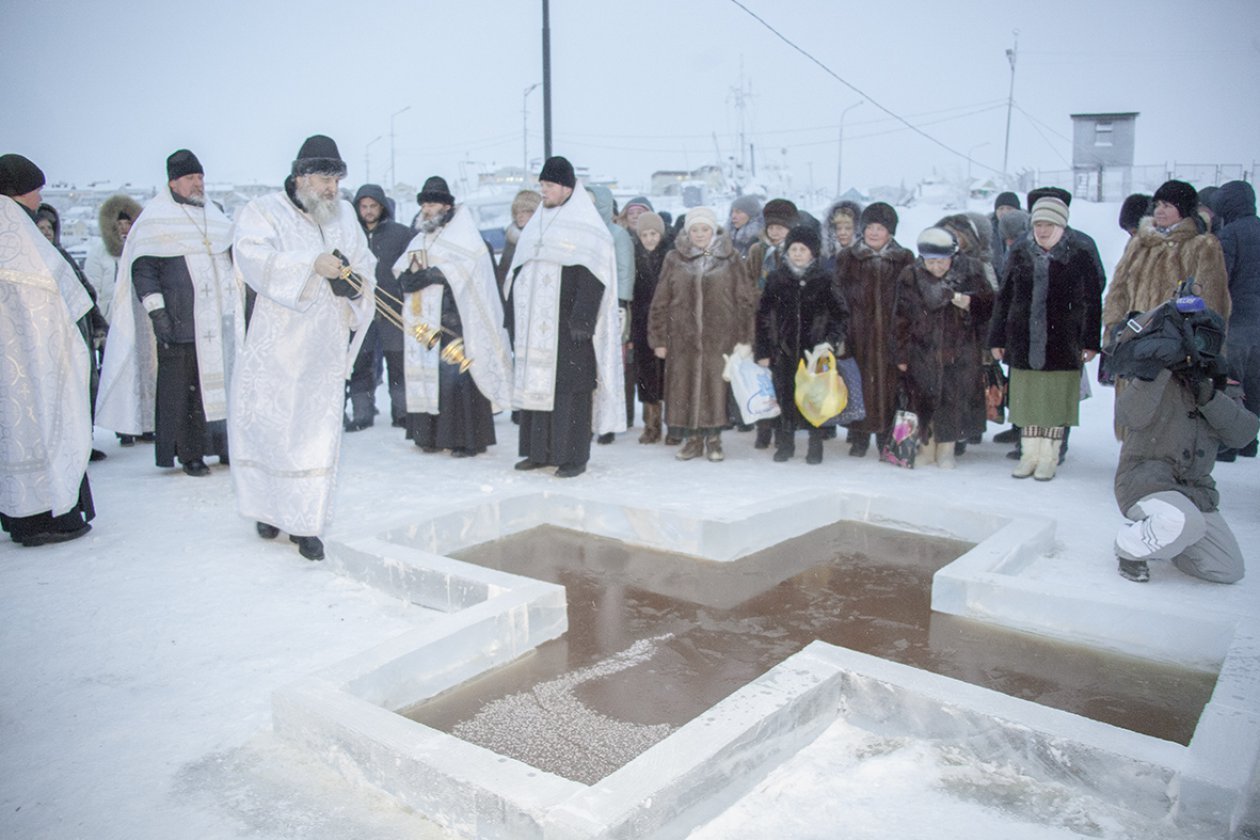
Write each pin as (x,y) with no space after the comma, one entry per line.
(1102,155)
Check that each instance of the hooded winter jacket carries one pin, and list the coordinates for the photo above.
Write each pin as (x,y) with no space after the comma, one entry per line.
(1235,205)
(387,241)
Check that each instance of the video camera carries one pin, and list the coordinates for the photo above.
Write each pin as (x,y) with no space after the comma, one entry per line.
(1179,334)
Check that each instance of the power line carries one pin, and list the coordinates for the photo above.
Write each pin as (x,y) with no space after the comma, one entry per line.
(871,100)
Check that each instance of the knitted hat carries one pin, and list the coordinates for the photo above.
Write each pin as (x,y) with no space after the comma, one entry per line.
(749,205)
(182,162)
(1055,192)
(1180,195)
(1134,208)
(700,215)
(1050,209)
(1006,199)
(1206,197)
(779,211)
(639,201)
(319,156)
(1014,224)
(18,175)
(881,213)
(807,236)
(526,200)
(649,221)
(435,191)
(558,170)
(937,242)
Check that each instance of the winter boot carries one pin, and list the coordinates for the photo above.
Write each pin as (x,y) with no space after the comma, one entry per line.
(1011,435)
(765,429)
(945,455)
(714,446)
(312,548)
(784,444)
(1134,570)
(927,452)
(651,423)
(1048,460)
(859,442)
(1029,454)
(814,455)
(693,447)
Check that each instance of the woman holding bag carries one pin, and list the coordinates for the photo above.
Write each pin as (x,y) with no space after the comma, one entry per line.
(801,309)
(703,306)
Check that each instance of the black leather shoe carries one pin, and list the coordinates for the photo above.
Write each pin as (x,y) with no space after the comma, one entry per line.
(267,532)
(126,440)
(97,455)
(1009,436)
(196,468)
(782,455)
(528,465)
(312,548)
(570,470)
(605,438)
(50,537)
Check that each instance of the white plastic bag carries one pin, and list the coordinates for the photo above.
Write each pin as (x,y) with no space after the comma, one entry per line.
(751,384)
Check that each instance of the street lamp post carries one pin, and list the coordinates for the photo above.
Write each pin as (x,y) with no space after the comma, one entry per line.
(393,173)
(525,129)
(840,146)
(367,159)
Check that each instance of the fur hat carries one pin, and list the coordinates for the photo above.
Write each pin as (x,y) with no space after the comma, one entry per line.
(182,162)
(1006,199)
(319,156)
(525,200)
(779,211)
(937,242)
(844,208)
(649,220)
(558,170)
(749,205)
(1013,225)
(806,235)
(1134,208)
(1050,209)
(1180,195)
(111,210)
(700,215)
(435,191)
(18,175)
(881,213)
(1055,192)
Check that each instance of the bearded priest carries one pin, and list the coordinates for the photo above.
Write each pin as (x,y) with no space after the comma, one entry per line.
(309,319)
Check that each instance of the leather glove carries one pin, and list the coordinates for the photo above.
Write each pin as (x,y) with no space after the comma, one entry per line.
(163,327)
(411,281)
(342,288)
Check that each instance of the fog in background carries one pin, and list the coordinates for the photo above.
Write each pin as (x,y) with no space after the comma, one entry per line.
(105,91)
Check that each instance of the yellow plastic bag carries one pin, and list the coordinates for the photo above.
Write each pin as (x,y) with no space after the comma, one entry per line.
(820,392)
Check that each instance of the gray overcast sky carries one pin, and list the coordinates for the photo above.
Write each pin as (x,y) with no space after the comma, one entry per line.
(105,90)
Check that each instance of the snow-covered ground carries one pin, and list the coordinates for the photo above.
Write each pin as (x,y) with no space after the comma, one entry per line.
(139,661)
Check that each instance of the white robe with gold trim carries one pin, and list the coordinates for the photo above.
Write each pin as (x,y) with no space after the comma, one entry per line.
(288,387)
(45,416)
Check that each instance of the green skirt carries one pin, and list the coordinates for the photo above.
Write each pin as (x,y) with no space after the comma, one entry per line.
(1045,397)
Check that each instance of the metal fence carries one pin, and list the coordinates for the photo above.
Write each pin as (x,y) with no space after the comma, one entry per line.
(1114,183)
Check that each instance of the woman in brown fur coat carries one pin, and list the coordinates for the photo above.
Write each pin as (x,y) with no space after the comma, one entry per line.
(704,304)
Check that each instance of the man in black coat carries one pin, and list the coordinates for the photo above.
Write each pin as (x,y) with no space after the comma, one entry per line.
(387,239)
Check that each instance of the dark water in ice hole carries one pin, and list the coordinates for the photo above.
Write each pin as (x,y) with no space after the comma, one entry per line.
(581,707)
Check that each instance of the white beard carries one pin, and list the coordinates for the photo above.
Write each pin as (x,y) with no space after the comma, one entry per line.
(321,210)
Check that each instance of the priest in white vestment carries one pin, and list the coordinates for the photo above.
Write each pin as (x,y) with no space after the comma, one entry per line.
(447,278)
(288,386)
(45,409)
(174,276)
(566,329)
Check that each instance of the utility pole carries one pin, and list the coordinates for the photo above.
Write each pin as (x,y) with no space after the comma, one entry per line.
(741,97)
(546,82)
(1011,55)
(367,159)
(525,132)
(393,173)
(840,146)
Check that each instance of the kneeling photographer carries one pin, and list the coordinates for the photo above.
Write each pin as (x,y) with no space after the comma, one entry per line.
(1176,414)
